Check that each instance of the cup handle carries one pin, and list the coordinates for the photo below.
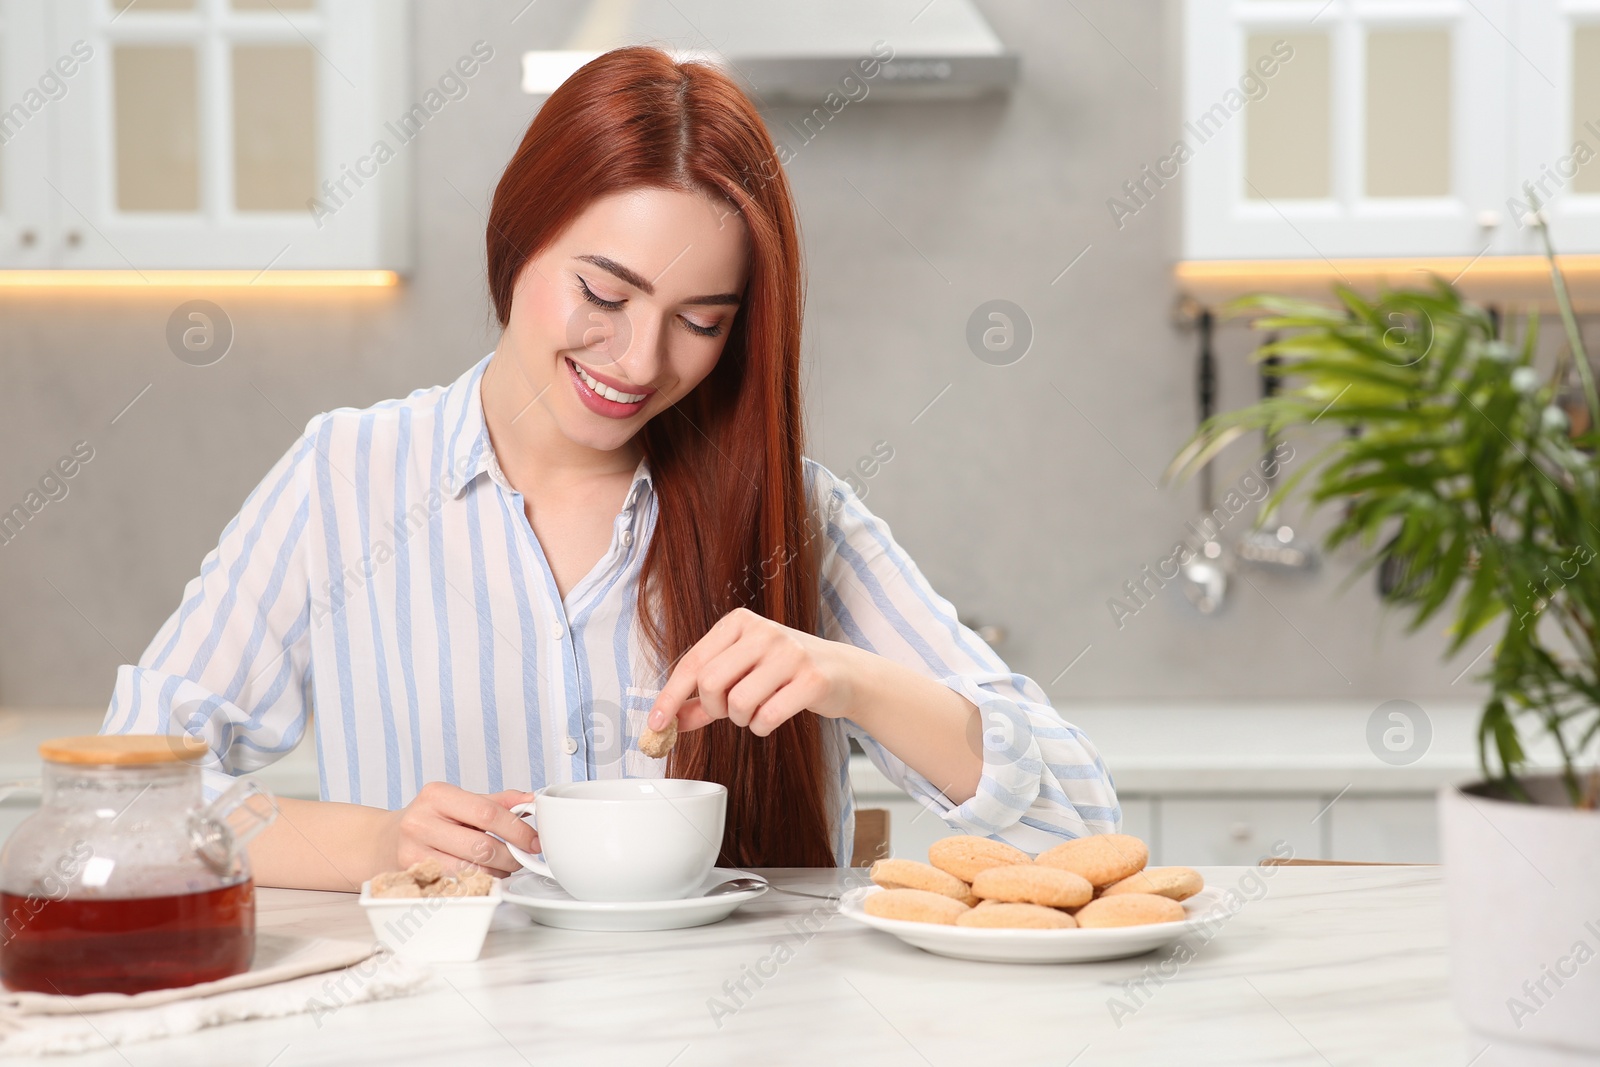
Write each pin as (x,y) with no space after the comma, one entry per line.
(528,859)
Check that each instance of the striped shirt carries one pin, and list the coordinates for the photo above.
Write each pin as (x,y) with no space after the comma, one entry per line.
(384,574)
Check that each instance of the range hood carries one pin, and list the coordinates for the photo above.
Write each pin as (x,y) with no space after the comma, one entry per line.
(784,51)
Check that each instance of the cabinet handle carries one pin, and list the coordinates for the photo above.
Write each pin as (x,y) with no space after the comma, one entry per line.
(1240,831)
(27,238)
(74,238)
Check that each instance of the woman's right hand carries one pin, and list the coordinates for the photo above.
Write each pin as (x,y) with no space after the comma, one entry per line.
(449,824)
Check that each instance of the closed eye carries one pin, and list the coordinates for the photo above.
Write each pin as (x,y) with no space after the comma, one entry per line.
(703,331)
(588,294)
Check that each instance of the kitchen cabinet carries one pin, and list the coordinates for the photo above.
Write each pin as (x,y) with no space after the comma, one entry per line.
(1385,829)
(1194,829)
(203,134)
(1355,128)
(1197,831)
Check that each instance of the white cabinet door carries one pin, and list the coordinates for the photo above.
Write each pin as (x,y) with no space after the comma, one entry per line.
(31,88)
(1195,831)
(1139,819)
(205,132)
(1384,830)
(1557,86)
(1344,128)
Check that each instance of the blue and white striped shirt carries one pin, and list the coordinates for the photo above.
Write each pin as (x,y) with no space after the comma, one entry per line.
(384,574)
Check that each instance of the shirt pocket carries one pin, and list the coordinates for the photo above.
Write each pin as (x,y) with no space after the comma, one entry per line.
(636,704)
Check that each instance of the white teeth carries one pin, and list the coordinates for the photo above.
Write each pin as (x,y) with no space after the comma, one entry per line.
(606,391)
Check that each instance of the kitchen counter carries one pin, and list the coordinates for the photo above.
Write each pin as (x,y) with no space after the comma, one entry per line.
(1318,965)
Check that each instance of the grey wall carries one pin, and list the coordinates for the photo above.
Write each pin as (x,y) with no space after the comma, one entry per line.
(1015,505)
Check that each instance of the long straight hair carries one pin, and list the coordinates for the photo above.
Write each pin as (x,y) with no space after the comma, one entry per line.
(732,527)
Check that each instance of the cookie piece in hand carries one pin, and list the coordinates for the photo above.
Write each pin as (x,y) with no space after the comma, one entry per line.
(914,905)
(966,855)
(1129,909)
(909,874)
(996,915)
(657,743)
(1102,858)
(1027,883)
(1178,883)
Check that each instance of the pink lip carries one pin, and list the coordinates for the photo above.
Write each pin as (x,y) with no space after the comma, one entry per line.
(614,383)
(599,404)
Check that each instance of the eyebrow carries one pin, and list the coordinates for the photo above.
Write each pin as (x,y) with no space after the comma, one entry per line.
(635,279)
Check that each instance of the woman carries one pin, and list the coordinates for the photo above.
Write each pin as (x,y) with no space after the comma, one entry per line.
(607,522)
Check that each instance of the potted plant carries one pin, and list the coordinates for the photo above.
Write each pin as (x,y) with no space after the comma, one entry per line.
(1470,478)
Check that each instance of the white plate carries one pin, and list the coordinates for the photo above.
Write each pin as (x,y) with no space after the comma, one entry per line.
(551,905)
(1032,946)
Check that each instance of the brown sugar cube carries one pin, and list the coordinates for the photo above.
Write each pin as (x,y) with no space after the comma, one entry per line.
(460,884)
(965,855)
(909,874)
(1178,883)
(1027,883)
(1102,858)
(425,872)
(476,883)
(1129,909)
(657,743)
(394,884)
(914,905)
(999,915)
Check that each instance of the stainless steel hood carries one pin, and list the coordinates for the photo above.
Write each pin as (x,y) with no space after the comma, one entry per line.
(798,51)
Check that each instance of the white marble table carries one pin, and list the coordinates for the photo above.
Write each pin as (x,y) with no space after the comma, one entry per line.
(1318,966)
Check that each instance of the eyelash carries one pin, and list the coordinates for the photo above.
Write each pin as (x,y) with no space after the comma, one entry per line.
(614,305)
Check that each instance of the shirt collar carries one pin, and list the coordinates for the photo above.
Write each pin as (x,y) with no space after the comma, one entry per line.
(468,452)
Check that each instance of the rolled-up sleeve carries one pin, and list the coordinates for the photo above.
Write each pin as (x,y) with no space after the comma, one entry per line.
(229,666)
(1042,781)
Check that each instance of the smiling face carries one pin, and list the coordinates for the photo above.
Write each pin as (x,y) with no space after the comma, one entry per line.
(619,317)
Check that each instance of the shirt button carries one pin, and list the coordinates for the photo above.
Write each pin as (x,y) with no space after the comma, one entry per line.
(570,745)
(559,632)
(627,537)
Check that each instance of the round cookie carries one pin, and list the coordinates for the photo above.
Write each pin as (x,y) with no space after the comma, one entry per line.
(964,856)
(913,905)
(909,874)
(1179,883)
(1102,859)
(1027,883)
(1013,916)
(1128,909)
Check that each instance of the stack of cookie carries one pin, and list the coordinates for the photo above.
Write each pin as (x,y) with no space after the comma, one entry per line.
(1090,882)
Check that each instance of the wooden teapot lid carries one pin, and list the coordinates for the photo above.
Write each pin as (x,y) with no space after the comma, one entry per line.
(123,749)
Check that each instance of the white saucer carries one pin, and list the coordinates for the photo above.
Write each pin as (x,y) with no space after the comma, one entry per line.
(1037,946)
(551,905)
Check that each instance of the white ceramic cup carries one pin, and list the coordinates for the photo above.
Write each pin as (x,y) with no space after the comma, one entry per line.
(626,838)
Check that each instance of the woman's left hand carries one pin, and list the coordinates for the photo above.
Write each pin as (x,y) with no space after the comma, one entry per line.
(757,673)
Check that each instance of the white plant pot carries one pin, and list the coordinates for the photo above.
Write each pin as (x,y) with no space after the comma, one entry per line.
(1522,891)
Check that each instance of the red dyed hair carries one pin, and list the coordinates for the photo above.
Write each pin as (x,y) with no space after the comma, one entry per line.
(726,459)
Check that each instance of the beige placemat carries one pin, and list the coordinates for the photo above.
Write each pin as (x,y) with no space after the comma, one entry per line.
(289,976)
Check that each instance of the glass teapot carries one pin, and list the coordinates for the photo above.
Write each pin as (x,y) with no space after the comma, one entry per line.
(124,880)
